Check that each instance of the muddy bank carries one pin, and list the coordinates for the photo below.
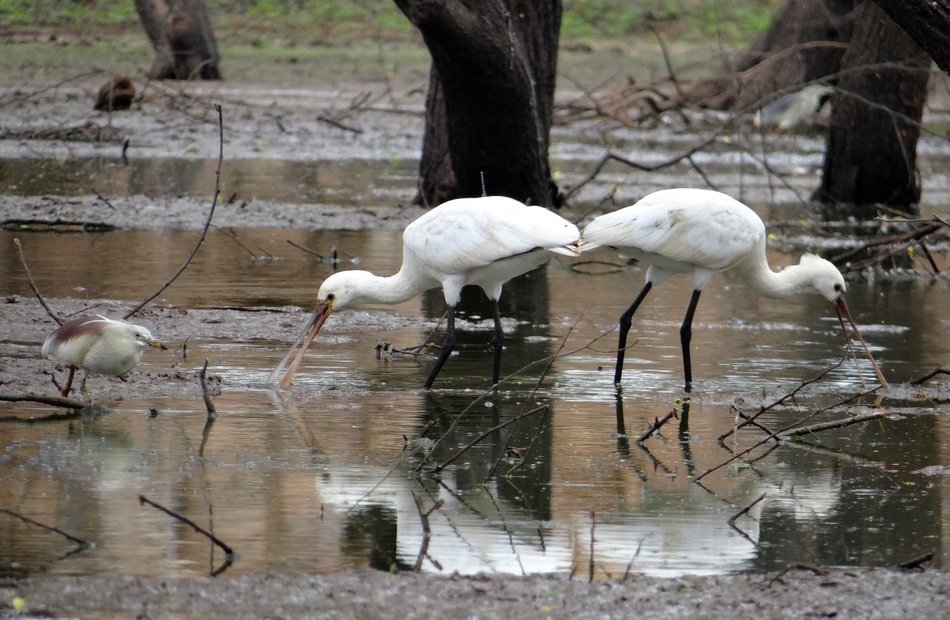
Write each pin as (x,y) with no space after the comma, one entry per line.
(798,593)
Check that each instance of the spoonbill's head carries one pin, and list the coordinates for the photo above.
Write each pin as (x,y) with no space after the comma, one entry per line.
(823,277)
(338,291)
(828,282)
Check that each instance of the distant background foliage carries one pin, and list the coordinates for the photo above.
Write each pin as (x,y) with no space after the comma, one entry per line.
(292,23)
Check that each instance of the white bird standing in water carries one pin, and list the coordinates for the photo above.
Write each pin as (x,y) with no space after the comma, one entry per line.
(100,345)
(482,241)
(702,233)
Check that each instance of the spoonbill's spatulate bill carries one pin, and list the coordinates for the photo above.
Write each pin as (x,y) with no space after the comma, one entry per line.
(701,233)
(482,241)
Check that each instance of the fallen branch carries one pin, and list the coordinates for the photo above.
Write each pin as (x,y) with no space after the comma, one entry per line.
(917,562)
(204,230)
(824,426)
(636,554)
(590,563)
(656,426)
(426,529)
(55,401)
(750,419)
(227,550)
(205,393)
(493,429)
(930,375)
(79,541)
(777,434)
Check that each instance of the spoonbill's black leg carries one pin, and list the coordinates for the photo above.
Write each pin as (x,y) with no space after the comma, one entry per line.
(625,321)
(448,344)
(496,344)
(686,334)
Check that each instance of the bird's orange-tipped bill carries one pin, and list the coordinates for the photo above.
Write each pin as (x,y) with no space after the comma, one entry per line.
(303,342)
(155,344)
(842,310)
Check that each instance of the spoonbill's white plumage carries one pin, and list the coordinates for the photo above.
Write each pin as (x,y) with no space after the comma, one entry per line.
(482,241)
(99,345)
(703,232)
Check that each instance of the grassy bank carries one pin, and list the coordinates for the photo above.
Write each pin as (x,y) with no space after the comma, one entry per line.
(300,23)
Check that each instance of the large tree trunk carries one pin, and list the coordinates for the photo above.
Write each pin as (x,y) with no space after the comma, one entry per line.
(805,42)
(490,102)
(927,22)
(871,154)
(181,34)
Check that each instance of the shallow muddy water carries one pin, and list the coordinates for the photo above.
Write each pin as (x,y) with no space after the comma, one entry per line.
(323,477)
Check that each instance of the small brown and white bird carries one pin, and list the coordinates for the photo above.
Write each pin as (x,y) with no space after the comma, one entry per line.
(100,345)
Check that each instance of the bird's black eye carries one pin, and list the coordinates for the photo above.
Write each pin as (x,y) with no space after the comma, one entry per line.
(330,296)
(839,288)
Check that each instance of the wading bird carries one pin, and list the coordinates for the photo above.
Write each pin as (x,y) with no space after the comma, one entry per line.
(482,241)
(702,233)
(100,345)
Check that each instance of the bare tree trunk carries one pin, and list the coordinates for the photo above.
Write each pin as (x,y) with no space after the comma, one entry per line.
(927,22)
(805,42)
(181,34)
(871,154)
(490,102)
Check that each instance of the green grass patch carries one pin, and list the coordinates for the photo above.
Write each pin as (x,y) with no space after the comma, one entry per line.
(295,23)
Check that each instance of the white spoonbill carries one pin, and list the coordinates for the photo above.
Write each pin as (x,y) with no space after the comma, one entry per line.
(100,345)
(703,232)
(482,241)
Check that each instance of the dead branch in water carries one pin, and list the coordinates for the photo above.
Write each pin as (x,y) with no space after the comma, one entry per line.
(733,518)
(426,529)
(747,419)
(930,375)
(824,426)
(590,562)
(79,541)
(204,230)
(55,401)
(227,550)
(657,423)
(485,434)
(777,434)
(887,247)
(205,393)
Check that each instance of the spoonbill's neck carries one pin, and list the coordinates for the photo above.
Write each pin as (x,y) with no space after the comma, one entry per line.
(791,280)
(367,287)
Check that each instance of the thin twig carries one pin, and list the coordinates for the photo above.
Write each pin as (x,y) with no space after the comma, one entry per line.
(776,435)
(750,419)
(916,562)
(204,230)
(305,249)
(29,279)
(824,426)
(590,563)
(79,541)
(481,437)
(205,393)
(930,375)
(426,529)
(228,550)
(636,554)
(656,426)
(733,518)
